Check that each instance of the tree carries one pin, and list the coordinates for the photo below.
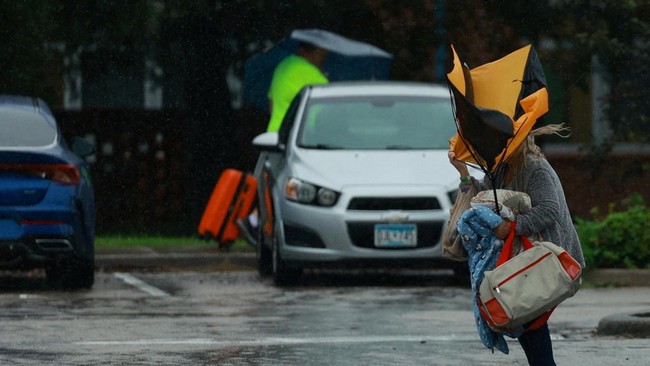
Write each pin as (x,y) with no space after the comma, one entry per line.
(30,57)
(616,32)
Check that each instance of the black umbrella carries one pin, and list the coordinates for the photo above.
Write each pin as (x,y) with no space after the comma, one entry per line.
(348,60)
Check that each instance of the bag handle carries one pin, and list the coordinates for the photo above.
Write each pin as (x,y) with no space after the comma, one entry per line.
(506,251)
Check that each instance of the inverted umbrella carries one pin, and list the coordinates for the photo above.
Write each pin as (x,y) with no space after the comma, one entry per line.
(496,105)
(348,60)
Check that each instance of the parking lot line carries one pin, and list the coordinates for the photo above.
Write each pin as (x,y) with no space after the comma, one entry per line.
(277,341)
(140,285)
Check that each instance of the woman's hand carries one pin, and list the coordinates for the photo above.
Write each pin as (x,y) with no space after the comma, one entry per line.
(459,165)
(502,230)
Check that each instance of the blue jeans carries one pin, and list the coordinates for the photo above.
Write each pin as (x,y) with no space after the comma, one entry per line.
(537,346)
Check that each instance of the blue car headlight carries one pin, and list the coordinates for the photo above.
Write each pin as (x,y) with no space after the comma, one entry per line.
(303,192)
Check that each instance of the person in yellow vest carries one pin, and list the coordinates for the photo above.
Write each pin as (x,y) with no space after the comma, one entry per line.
(290,76)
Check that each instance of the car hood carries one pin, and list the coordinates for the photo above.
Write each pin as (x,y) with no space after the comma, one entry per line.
(336,169)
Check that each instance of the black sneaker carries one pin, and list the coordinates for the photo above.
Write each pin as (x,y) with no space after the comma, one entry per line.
(247,230)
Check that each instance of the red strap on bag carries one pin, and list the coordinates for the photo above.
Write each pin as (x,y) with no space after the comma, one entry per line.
(506,253)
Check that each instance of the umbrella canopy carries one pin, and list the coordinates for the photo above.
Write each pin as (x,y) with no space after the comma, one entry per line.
(348,60)
(338,44)
(496,105)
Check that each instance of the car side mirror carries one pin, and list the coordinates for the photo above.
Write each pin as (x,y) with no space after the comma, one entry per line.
(82,147)
(268,141)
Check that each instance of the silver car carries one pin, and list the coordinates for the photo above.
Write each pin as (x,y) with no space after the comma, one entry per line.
(357,176)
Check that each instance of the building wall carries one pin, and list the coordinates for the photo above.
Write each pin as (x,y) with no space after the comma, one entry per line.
(592,181)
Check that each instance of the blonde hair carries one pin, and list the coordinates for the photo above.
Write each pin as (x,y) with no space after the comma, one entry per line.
(518,160)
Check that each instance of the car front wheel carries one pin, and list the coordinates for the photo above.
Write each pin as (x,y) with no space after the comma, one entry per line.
(264,254)
(282,273)
(462,274)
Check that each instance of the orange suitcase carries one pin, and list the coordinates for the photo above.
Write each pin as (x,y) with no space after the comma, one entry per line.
(232,199)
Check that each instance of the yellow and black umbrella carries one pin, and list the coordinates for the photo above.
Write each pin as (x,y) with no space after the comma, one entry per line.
(496,105)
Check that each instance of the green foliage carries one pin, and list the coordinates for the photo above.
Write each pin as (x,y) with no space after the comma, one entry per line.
(29,58)
(621,239)
(162,243)
(119,241)
(616,32)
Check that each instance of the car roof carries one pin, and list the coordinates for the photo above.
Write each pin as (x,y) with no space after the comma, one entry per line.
(24,102)
(29,105)
(36,105)
(355,88)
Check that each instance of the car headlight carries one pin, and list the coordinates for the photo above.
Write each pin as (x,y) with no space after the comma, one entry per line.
(307,193)
(297,190)
(326,197)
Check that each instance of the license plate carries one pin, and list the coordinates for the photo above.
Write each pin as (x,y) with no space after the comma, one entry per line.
(396,235)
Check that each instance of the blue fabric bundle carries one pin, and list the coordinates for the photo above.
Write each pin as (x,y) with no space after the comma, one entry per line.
(483,248)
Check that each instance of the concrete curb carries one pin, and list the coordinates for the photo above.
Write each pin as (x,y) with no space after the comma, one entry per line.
(247,261)
(627,325)
(618,277)
(179,261)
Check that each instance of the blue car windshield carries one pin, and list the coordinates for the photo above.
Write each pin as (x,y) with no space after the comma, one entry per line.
(20,128)
(377,123)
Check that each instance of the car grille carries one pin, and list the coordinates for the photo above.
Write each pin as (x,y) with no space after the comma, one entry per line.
(399,203)
(362,234)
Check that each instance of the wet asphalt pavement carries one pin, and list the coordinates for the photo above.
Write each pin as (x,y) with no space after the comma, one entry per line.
(208,317)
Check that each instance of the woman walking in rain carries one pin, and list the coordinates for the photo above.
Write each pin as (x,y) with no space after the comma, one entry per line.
(528,171)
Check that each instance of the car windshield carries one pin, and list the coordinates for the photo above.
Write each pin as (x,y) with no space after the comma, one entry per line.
(20,128)
(377,122)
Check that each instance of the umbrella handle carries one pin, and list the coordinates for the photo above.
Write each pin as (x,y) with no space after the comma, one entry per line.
(496,201)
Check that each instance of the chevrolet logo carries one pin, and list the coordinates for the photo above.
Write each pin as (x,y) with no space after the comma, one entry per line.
(394,216)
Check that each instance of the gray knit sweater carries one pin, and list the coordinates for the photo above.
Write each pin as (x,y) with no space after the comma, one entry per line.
(549,215)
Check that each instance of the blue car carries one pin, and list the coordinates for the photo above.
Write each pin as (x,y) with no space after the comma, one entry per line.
(47,203)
